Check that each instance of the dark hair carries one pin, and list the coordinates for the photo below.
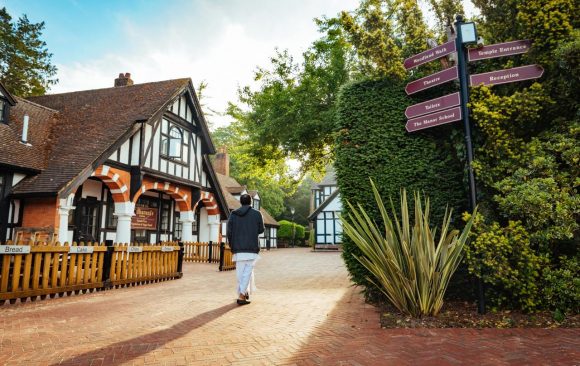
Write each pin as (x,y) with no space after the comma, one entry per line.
(245,199)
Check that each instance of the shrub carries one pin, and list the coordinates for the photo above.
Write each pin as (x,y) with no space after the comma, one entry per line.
(505,260)
(562,285)
(285,231)
(372,142)
(408,264)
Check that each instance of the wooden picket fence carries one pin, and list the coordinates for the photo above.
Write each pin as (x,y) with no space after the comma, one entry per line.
(140,263)
(201,252)
(227,264)
(38,269)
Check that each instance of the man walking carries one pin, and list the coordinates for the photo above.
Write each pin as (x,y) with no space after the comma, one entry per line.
(244,227)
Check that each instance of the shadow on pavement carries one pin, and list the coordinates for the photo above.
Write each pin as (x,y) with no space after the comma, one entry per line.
(121,352)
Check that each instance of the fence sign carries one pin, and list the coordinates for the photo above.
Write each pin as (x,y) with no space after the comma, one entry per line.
(434,119)
(499,50)
(433,105)
(166,249)
(132,249)
(145,218)
(14,249)
(429,55)
(432,80)
(507,76)
(81,250)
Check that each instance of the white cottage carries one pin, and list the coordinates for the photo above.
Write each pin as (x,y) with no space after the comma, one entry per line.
(325,208)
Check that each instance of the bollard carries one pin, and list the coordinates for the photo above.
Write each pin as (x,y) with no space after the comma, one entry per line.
(267,244)
(108,260)
(210,251)
(180,256)
(222,253)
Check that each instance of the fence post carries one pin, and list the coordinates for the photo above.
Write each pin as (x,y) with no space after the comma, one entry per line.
(209,251)
(222,254)
(180,259)
(107,264)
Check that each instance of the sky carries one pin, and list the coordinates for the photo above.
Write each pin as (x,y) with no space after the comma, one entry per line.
(219,42)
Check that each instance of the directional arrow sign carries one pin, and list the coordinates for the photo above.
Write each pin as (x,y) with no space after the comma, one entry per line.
(429,55)
(432,105)
(507,76)
(434,119)
(432,80)
(499,50)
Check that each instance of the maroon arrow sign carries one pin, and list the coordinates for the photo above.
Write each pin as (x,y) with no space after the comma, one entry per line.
(433,105)
(432,80)
(499,50)
(429,55)
(434,119)
(507,76)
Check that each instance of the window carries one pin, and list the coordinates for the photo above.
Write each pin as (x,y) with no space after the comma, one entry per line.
(177,226)
(256,204)
(165,216)
(111,222)
(173,142)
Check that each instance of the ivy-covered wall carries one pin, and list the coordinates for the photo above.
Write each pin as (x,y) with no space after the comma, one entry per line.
(372,143)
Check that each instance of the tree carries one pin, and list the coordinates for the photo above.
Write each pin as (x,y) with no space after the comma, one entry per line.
(269,176)
(293,109)
(25,67)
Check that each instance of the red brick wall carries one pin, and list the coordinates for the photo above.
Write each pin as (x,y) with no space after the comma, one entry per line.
(40,213)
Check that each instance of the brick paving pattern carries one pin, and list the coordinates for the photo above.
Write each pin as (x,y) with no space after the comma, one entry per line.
(305,313)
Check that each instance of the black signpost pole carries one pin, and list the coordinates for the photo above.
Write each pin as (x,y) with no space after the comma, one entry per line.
(464,94)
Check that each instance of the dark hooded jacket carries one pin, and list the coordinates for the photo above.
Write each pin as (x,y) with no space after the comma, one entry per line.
(244,227)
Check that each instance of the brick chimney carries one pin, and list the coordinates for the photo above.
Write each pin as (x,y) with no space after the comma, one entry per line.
(221,164)
(123,80)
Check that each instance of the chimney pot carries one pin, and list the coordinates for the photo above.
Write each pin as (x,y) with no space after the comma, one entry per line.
(123,80)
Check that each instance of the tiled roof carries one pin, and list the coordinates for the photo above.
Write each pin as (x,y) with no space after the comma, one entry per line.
(41,122)
(89,122)
(233,203)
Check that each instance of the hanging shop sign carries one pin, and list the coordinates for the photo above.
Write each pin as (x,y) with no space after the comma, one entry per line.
(432,80)
(433,105)
(434,119)
(145,218)
(499,50)
(507,76)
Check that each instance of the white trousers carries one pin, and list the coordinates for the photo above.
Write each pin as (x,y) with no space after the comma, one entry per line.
(245,274)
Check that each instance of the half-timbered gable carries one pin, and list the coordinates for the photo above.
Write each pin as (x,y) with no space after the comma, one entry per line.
(128,163)
(325,209)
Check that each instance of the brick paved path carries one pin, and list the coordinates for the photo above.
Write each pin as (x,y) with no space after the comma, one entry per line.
(304,314)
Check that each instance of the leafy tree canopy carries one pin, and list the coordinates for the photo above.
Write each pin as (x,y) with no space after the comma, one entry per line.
(25,67)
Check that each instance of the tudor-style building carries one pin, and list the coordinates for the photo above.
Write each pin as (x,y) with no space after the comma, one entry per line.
(232,190)
(128,164)
(325,208)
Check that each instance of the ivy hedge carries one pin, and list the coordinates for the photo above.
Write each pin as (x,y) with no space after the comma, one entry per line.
(372,143)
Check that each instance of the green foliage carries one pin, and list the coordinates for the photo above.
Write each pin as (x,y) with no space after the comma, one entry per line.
(561,287)
(372,142)
(408,264)
(269,176)
(504,258)
(292,111)
(25,67)
(300,201)
(287,232)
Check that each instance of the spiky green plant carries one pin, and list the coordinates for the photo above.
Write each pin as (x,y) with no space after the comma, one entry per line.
(406,262)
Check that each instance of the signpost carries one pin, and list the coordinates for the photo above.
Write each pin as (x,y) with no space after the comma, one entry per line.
(507,76)
(432,80)
(453,107)
(433,105)
(434,119)
(429,55)
(499,50)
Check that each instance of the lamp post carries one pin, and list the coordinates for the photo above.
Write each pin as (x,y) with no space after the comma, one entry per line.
(292,210)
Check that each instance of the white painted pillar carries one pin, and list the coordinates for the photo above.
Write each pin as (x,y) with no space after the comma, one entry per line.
(214,228)
(187,219)
(63,211)
(124,211)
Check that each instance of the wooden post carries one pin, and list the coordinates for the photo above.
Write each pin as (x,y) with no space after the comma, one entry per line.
(180,259)
(107,266)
